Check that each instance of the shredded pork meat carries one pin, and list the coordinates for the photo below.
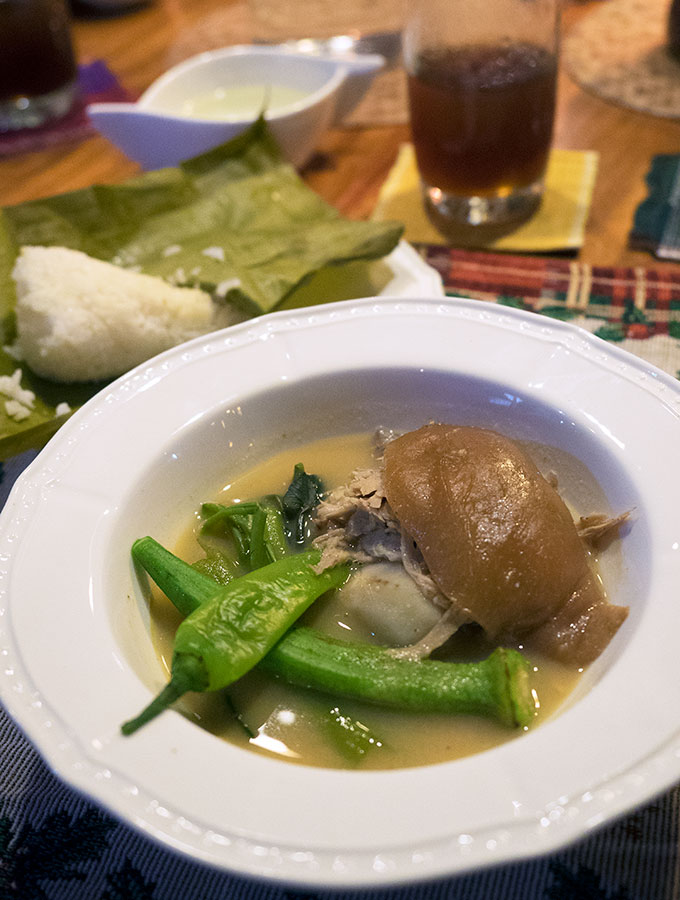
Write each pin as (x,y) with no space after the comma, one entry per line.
(597,529)
(356,524)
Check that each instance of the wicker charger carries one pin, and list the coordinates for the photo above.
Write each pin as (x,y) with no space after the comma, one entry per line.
(619,52)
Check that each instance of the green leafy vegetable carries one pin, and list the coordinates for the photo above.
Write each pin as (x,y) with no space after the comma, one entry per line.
(237,221)
(219,567)
(302,496)
(352,739)
(256,530)
(259,532)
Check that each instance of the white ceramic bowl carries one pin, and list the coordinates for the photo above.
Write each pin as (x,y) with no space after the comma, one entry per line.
(155,131)
(76,655)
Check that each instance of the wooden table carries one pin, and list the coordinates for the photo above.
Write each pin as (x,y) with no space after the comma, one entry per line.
(141,44)
(634,857)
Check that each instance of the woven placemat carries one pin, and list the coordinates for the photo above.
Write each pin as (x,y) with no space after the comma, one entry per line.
(634,307)
(619,52)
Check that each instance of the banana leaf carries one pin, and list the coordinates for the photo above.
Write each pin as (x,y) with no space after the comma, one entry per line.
(237,220)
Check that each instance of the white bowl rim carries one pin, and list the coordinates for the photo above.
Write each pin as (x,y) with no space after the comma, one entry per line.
(565,815)
(337,75)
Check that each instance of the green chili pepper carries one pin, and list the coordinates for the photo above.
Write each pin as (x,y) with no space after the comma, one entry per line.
(230,632)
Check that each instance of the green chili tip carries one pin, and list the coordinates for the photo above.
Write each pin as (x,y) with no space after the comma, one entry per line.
(188,674)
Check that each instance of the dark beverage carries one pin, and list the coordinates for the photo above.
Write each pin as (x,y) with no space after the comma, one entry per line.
(482,117)
(37,64)
(674,28)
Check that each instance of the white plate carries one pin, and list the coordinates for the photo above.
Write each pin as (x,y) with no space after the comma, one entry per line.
(411,275)
(77,660)
(402,273)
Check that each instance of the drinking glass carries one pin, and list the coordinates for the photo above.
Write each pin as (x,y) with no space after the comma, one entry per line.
(37,64)
(481,82)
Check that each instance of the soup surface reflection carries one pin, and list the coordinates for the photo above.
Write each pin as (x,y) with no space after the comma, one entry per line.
(309,728)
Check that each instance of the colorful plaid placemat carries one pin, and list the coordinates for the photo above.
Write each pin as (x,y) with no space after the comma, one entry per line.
(636,307)
(96,84)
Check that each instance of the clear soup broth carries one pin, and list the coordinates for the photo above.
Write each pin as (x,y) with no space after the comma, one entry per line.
(304,727)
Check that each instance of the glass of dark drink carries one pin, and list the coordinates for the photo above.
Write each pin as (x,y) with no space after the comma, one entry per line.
(37,63)
(481,80)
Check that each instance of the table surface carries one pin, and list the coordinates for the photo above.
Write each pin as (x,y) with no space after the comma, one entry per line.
(636,858)
(141,44)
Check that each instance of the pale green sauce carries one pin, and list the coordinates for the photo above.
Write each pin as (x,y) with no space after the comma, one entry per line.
(241,101)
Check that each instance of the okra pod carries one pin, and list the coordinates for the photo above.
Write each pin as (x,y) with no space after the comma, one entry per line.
(186,588)
(496,687)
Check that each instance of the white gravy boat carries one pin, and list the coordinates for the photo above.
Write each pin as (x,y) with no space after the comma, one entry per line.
(314,92)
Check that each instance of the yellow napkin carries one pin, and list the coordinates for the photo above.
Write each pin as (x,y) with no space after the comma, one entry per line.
(558,224)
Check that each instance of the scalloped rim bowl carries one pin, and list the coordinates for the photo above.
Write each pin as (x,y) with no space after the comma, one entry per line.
(76,655)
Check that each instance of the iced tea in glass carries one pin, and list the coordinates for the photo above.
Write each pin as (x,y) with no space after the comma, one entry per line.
(37,63)
(482,79)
